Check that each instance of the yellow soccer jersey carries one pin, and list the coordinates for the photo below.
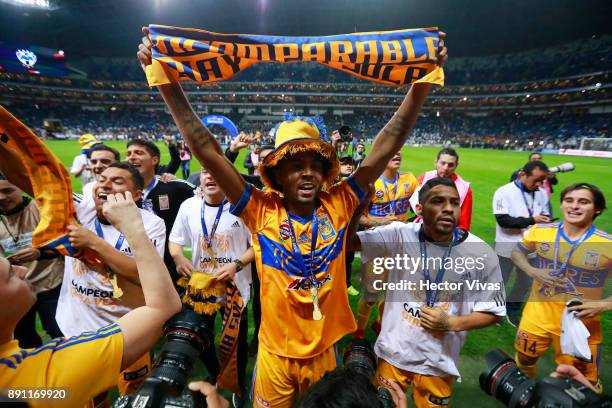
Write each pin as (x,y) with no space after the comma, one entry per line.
(586,273)
(287,325)
(83,366)
(392,197)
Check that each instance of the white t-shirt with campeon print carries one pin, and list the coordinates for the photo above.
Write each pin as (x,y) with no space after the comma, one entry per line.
(402,342)
(232,238)
(86,300)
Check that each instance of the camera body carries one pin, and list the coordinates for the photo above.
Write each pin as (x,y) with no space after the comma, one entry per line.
(506,382)
(346,134)
(187,335)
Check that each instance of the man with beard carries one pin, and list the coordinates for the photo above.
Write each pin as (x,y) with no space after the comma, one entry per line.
(424,326)
(299,233)
(163,198)
(446,164)
(93,296)
(390,202)
(101,157)
(573,261)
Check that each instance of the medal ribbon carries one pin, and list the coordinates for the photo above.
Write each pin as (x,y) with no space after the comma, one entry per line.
(146,204)
(100,233)
(392,201)
(575,245)
(432,295)
(313,243)
(523,191)
(208,239)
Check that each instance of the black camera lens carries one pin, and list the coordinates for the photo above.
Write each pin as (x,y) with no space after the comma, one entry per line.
(361,358)
(506,382)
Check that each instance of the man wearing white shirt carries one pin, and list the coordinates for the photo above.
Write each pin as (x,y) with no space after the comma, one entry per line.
(101,157)
(221,246)
(516,206)
(93,296)
(423,329)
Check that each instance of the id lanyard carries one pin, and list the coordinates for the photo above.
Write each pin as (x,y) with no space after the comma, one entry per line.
(431,295)
(522,188)
(312,277)
(208,239)
(392,202)
(100,233)
(145,202)
(575,245)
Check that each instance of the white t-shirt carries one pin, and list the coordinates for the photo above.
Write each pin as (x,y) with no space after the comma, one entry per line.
(78,162)
(402,342)
(509,199)
(86,300)
(232,238)
(88,190)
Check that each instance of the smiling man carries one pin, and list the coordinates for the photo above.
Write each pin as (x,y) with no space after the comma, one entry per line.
(299,232)
(573,261)
(95,296)
(101,157)
(423,329)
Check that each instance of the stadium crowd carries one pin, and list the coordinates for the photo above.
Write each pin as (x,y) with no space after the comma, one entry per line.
(287,229)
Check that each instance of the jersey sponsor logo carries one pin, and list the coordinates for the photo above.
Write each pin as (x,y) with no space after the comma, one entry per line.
(379,194)
(164,202)
(326,229)
(304,283)
(284,232)
(591,258)
(545,247)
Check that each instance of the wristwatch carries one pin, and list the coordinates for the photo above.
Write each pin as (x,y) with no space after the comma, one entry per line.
(239,265)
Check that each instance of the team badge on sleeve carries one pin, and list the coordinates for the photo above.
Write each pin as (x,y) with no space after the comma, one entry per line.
(284,232)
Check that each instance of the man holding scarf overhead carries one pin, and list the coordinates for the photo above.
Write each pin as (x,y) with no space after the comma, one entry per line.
(299,229)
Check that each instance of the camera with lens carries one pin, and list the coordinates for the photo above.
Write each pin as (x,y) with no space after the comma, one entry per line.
(346,134)
(360,357)
(506,382)
(187,335)
(562,168)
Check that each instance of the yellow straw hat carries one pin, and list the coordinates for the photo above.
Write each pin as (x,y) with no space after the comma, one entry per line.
(297,135)
(87,141)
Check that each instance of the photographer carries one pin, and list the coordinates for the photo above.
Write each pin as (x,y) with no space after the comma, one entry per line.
(88,364)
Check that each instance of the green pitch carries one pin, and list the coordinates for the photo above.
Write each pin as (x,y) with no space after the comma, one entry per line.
(486,170)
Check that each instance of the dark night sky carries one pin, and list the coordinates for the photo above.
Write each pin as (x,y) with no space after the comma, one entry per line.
(474,27)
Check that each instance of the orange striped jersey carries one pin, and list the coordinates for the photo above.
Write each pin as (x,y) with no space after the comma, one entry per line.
(392,197)
(287,326)
(585,275)
(84,366)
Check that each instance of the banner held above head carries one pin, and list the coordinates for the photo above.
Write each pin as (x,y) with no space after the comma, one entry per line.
(388,57)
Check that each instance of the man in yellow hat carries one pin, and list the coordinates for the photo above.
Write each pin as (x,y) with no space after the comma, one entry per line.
(299,233)
(80,164)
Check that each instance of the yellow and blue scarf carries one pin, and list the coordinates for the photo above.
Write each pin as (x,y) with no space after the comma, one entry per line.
(389,57)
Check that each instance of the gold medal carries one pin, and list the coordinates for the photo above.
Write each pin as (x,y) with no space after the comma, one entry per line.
(117,292)
(316,312)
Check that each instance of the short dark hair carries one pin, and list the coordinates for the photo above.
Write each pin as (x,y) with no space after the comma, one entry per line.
(341,388)
(449,151)
(436,181)
(532,165)
(137,178)
(533,154)
(103,147)
(599,200)
(147,144)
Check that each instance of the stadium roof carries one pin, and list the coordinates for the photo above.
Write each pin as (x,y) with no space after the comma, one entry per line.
(474,27)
